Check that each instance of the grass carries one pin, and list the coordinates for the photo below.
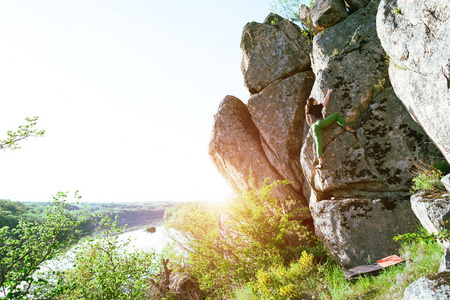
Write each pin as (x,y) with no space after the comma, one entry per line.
(329,282)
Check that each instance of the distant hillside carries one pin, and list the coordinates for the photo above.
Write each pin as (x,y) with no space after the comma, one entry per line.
(132,214)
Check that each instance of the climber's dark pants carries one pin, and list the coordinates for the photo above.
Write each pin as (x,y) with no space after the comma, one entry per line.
(319,125)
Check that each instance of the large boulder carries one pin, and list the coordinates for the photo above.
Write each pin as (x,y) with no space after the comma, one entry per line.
(360,231)
(430,287)
(273,50)
(432,210)
(377,160)
(279,114)
(415,35)
(326,13)
(236,150)
(305,18)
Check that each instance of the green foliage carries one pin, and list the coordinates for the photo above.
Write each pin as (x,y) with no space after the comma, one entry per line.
(105,268)
(290,10)
(252,234)
(379,86)
(283,283)
(305,279)
(24,248)
(443,166)
(23,132)
(425,236)
(428,178)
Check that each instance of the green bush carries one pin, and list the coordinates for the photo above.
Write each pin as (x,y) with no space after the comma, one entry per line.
(428,177)
(253,235)
(105,268)
(283,283)
(26,247)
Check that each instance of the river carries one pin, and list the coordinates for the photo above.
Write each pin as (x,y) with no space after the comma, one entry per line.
(140,239)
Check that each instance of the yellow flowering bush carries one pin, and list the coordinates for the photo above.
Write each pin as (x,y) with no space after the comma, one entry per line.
(281,283)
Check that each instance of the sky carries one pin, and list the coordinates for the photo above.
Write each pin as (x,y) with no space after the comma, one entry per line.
(126,92)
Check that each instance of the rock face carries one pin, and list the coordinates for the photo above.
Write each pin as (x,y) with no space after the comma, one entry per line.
(236,149)
(431,287)
(375,161)
(264,137)
(432,211)
(361,231)
(326,13)
(366,176)
(279,114)
(273,50)
(305,18)
(354,5)
(415,35)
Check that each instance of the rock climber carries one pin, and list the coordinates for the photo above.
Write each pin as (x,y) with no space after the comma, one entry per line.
(314,117)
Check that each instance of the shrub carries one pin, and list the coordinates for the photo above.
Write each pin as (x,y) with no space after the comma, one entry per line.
(428,177)
(293,282)
(252,236)
(105,268)
(24,249)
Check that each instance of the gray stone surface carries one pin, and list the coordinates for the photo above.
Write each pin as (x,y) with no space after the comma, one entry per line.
(326,13)
(305,18)
(416,36)
(446,181)
(445,261)
(236,150)
(376,161)
(272,50)
(279,114)
(360,231)
(354,5)
(432,210)
(431,287)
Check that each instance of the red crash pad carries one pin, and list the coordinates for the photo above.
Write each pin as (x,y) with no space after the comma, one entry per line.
(373,268)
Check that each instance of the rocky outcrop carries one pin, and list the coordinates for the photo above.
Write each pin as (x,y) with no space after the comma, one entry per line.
(273,50)
(326,13)
(415,35)
(359,231)
(279,114)
(305,18)
(375,161)
(236,149)
(264,137)
(366,176)
(431,287)
(432,210)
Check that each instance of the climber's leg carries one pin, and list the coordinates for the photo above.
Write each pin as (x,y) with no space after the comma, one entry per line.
(330,119)
(318,138)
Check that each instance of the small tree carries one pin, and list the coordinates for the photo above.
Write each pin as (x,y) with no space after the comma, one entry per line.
(24,248)
(106,268)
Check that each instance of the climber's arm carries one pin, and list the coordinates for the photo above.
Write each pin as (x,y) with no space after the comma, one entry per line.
(308,120)
(327,97)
